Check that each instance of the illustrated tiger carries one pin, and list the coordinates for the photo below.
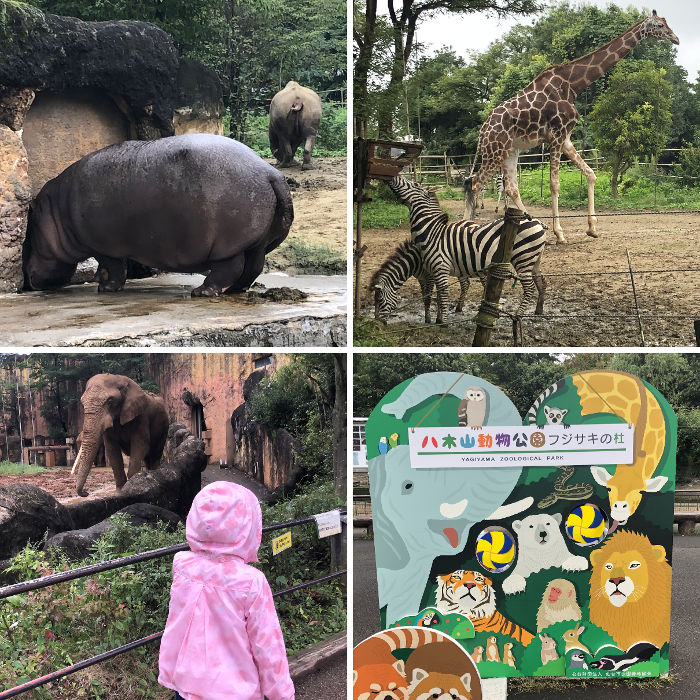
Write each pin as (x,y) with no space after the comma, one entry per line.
(471,593)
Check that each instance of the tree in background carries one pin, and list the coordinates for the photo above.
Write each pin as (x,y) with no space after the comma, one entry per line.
(632,117)
(524,376)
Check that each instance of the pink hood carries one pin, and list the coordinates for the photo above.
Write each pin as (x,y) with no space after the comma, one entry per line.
(225,518)
(223,640)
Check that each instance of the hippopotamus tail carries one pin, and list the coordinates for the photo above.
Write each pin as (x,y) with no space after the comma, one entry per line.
(284,213)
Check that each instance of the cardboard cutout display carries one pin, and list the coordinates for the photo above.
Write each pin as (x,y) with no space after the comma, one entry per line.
(411,663)
(534,569)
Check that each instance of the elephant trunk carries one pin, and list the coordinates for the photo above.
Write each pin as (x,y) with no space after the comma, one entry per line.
(92,438)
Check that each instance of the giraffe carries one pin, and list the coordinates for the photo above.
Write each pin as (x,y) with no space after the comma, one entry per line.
(599,392)
(544,112)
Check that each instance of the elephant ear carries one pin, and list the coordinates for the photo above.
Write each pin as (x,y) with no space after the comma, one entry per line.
(135,403)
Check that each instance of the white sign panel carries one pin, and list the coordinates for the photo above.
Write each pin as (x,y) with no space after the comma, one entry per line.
(521,446)
(328,523)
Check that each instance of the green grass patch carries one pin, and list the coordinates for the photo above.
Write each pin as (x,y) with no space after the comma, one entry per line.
(635,192)
(313,258)
(382,214)
(15,468)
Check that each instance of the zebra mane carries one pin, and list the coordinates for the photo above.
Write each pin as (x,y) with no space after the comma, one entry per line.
(406,250)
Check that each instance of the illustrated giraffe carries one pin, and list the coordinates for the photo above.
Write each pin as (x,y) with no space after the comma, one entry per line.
(632,401)
(544,112)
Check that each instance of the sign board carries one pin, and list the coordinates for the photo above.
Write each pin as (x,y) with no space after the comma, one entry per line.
(507,446)
(328,523)
(279,544)
(546,560)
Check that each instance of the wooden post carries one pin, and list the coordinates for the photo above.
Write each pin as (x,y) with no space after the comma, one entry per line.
(361,155)
(497,273)
(358,254)
(696,326)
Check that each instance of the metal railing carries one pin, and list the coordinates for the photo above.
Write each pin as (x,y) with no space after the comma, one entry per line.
(62,576)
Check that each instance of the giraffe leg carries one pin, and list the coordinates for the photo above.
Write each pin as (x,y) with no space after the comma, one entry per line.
(510,180)
(491,157)
(426,289)
(554,158)
(581,164)
(541,284)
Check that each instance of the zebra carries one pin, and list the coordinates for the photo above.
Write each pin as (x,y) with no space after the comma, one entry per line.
(499,182)
(406,261)
(463,248)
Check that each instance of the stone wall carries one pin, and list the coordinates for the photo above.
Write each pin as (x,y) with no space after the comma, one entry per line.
(15,194)
(214,382)
(266,455)
(60,128)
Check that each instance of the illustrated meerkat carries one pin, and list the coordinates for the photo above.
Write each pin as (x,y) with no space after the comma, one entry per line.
(478,654)
(492,649)
(508,657)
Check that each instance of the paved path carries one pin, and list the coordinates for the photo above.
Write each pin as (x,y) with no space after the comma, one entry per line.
(327,682)
(685,619)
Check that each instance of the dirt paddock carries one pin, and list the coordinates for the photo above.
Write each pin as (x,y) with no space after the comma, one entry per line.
(60,483)
(590,310)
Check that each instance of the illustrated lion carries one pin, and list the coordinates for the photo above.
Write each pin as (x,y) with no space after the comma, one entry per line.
(631,590)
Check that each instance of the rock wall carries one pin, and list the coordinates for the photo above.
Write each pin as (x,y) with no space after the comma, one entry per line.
(15,194)
(266,455)
(211,383)
(60,128)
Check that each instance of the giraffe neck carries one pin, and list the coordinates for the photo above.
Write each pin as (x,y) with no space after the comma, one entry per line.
(583,71)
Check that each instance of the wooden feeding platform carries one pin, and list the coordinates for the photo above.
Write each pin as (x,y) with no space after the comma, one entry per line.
(49,452)
(379,160)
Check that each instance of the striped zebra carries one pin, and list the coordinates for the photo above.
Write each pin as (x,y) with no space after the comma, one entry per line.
(405,262)
(499,182)
(463,249)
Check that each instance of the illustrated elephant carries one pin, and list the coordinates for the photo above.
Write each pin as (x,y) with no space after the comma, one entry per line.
(295,114)
(190,203)
(121,415)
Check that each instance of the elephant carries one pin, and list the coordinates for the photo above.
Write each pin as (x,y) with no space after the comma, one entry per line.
(189,203)
(120,414)
(295,114)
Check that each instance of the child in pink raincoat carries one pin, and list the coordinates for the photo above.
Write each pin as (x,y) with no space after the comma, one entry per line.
(223,640)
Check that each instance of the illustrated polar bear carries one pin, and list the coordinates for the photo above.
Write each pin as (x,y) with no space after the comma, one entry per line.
(540,546)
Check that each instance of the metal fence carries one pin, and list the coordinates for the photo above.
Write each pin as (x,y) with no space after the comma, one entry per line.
(337,546)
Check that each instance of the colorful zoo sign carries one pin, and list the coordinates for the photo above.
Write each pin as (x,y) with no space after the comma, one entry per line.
(535,568)
(507,446)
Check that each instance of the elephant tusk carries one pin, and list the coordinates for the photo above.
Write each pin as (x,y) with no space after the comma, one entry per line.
(77,460)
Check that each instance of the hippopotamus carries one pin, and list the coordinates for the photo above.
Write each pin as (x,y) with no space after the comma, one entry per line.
(190,203)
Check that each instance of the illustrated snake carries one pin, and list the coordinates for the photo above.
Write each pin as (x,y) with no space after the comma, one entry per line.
(562,491)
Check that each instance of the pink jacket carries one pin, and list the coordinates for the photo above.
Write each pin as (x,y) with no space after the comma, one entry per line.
(223,640)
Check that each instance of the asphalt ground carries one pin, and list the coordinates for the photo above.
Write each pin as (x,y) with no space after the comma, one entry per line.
(329,681)
(685,619)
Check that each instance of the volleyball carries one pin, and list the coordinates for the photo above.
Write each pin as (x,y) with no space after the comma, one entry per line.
(495,549)
(586,525)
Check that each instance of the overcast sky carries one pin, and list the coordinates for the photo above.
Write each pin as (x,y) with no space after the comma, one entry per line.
(476,31)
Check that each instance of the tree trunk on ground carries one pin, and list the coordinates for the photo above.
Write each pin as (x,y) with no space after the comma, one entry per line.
(340,433)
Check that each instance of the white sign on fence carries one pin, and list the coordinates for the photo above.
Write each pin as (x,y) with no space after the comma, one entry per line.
(328,523)
(521,446)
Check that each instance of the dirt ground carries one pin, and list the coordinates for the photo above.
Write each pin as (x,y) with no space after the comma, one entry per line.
(591,310)
(60,483)
(320,206)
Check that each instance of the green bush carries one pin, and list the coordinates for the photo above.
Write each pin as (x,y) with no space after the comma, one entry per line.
(7,467)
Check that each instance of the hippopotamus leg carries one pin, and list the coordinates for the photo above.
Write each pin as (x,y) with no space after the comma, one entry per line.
(222,275)
(308,148)
(254,263)
(111,274)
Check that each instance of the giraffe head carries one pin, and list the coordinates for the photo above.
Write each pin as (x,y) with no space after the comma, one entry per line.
(657,28)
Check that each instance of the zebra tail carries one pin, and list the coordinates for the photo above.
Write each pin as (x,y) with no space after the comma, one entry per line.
(469,192)
(532,413)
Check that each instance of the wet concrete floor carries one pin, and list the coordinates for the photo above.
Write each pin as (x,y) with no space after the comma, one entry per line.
(160,311)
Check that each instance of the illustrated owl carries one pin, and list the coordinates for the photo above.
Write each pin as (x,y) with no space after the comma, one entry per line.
(472,408)
(383,446)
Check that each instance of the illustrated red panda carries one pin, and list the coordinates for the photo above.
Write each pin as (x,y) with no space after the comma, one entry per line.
(444,672)
(379,675)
